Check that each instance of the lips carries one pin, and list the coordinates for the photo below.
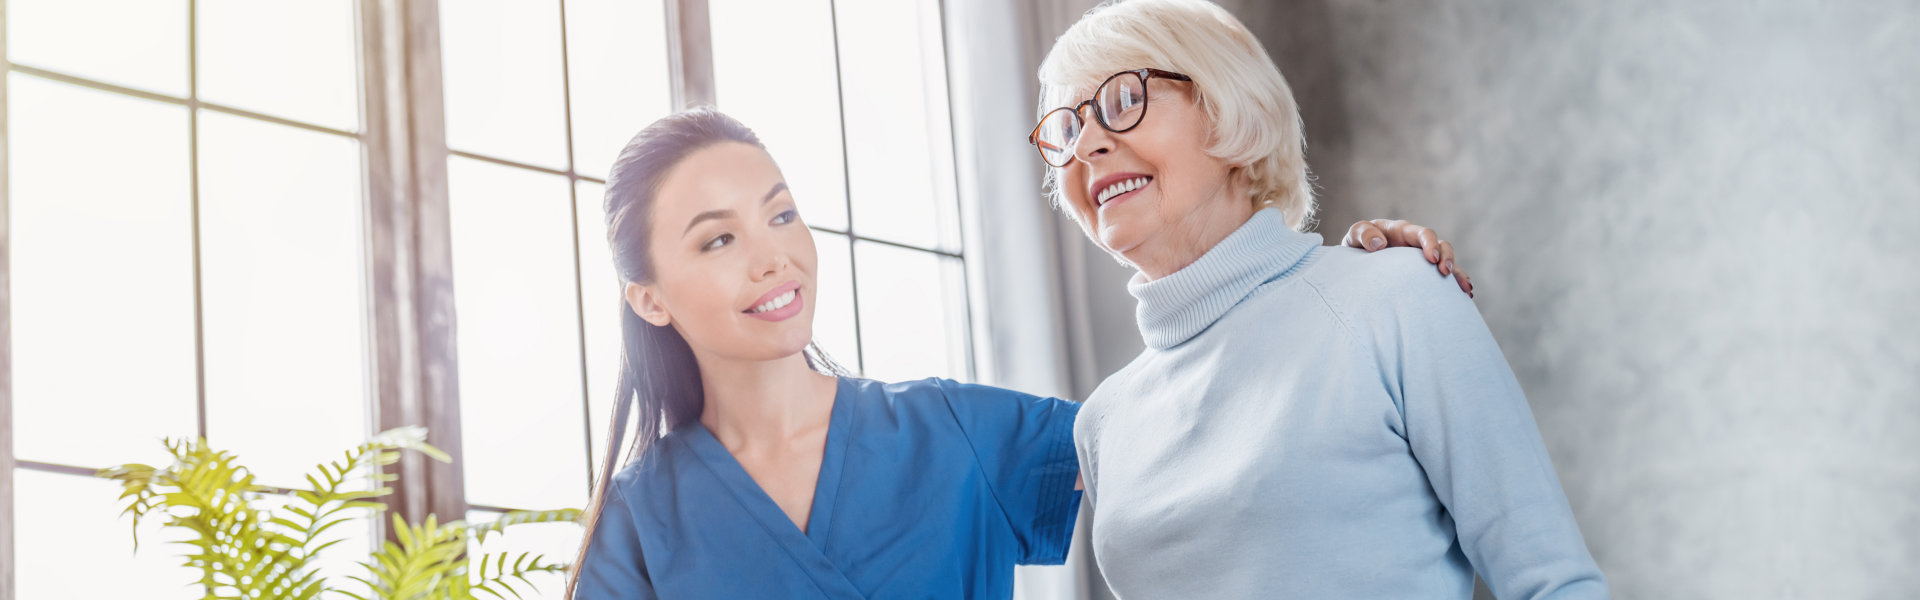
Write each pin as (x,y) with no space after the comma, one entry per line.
(1117,186)
(778,304)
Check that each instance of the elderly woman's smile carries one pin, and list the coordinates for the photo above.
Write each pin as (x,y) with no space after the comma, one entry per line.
(1118,187)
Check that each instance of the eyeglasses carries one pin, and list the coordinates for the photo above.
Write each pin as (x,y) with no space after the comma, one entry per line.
(1118,105)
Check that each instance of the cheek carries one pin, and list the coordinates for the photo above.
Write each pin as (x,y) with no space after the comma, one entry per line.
(695,301)
(1191,175)
(1072,183)
(800,249)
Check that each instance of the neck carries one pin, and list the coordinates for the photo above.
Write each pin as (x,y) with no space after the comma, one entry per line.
(753,402)
(1188,237)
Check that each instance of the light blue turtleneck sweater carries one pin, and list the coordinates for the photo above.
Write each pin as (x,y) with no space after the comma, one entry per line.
(1312,422)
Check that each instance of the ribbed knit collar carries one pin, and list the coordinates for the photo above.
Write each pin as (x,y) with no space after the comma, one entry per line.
(1179,306)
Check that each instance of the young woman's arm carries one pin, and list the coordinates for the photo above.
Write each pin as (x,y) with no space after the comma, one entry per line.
(1024,445)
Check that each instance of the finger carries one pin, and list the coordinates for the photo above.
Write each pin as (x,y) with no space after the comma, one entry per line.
(1358,234)
(1446,258)
(1466,282)
(1383,233)
(1394,233)
(1371,237)
(1429,243)
(1389,231)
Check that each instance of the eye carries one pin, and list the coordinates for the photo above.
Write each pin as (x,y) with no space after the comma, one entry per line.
(786,216)
(718,241)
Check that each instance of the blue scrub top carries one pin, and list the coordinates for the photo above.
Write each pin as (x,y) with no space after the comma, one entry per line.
(928,489)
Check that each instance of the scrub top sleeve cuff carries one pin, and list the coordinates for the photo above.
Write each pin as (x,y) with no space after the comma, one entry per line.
(1059,502)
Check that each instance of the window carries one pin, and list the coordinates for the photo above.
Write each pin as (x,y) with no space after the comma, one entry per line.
(189,249)
(185,258)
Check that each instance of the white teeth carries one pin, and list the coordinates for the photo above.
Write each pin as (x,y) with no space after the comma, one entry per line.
(1122,187)
(776,303)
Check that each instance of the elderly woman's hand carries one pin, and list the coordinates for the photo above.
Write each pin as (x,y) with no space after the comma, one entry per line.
(1381,233)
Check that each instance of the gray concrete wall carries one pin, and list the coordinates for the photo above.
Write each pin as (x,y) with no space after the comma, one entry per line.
(1693,230)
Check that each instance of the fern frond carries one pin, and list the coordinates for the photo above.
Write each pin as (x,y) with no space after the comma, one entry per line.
(522,517)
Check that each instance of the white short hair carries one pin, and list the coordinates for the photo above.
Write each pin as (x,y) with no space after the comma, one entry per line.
(1256,123)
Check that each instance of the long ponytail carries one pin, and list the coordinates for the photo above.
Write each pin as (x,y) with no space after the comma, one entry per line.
(659,376)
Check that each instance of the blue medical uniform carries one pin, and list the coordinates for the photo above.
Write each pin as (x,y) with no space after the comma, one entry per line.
(927,489)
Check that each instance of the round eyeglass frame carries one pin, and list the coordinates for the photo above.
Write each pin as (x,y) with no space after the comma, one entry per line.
(1099,116)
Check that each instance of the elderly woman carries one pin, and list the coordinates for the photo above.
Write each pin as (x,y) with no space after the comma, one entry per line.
(1305,421)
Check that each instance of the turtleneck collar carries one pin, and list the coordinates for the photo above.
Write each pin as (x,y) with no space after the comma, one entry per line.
(1179,306)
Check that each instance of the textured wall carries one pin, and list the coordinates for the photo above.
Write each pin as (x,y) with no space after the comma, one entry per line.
(1693,230)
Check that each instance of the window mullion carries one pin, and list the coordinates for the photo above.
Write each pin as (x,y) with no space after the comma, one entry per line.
(6,338)
(409,250)
(690,53)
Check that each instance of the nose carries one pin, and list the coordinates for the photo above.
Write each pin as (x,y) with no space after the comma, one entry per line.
(1095,141)
(769,259)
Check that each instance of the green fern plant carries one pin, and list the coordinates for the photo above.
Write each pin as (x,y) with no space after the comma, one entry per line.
(245,550)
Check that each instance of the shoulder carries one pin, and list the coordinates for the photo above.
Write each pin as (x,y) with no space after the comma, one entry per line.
(659,464)
(908,395)
(973,405)
(1389,273)
(1394,299)
(925,402)
(919,395)
(1397,281)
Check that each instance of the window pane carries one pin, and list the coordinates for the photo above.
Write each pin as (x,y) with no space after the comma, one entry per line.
(773,69)
(281,294)
(135,43)
(602,302)
(558,542)
(70,532)
(833,308)
(500,60)
(287,59)
(899,151)
(912,313)
(102,275)
(519,336)
(617,63)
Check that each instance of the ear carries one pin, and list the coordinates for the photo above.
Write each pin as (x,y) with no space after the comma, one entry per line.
(645,301)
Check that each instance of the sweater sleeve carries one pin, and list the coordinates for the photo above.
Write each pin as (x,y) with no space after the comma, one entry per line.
(1471,430)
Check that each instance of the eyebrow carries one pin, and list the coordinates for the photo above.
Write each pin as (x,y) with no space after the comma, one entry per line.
(728,213)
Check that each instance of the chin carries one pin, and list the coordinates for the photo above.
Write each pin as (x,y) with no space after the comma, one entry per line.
(776,351)
(1118,240)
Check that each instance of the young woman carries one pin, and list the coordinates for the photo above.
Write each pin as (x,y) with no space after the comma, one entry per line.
(757,468)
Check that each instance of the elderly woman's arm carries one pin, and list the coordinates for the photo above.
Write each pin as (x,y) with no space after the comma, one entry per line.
(1469,426)
(1380,234)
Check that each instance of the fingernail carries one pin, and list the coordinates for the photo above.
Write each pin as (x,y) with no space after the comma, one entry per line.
(1375,243)
(1447,266)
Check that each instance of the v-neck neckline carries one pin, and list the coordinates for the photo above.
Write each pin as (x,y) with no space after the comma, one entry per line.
(826,486)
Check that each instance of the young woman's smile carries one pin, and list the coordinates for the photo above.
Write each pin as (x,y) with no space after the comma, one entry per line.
(779,304)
